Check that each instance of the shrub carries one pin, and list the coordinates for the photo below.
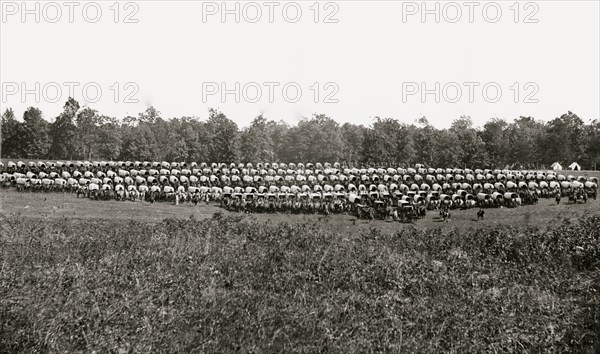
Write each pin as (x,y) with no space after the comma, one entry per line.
(234,284)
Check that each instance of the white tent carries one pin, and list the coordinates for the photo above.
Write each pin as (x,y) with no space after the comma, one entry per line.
(556,166)
(574,167)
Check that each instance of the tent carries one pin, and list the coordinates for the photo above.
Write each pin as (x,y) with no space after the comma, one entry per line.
(556,166)
(574,167)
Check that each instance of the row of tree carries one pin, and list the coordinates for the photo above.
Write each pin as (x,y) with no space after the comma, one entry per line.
(83,133)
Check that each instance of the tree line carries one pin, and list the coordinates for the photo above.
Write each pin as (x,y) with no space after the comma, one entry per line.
(80,133)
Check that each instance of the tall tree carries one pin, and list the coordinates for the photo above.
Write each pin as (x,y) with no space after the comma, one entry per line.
(317,139)
(197,138)
(591,142)
(256,143)
(12,140)
(63,132)
(493,135)
(382,143)
(448,152)
(470,146)
(563,138)
(352,136)
(425,141)
(139,144)
(408,151)
(524,136)
(149,116)
(279,132)
(224,138)
(36,140)
(173,139)
(86,132)
(108,139)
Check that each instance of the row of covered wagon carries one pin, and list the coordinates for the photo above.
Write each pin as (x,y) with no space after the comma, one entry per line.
(275,169)
(419,186)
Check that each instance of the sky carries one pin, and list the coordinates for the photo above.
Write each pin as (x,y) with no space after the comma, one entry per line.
(351,60)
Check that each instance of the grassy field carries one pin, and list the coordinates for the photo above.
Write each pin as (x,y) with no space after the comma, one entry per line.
(59,205)
(108,276)
(235,284)
(53,205)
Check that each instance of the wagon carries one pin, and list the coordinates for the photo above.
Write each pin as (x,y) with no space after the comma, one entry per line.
(353,198)
(510,195)
(154,189)
(575,184)
(168,189)
(483,196)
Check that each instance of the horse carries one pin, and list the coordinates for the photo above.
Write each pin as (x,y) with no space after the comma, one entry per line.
(365,212)
(446,215)
(480,214)
(119,194)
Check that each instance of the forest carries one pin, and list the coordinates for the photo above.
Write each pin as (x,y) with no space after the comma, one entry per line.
(82,133)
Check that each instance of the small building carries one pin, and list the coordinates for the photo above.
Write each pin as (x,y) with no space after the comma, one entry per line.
(556,166)
(574,167)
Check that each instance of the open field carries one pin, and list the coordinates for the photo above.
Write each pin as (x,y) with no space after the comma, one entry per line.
(57,205)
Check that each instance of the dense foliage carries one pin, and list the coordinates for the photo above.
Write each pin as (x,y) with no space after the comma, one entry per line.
(83,133)
(234,284)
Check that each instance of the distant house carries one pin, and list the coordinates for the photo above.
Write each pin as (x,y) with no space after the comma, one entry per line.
(574,167)
(556,166)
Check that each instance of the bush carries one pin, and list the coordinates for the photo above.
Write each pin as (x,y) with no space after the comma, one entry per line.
(234,284)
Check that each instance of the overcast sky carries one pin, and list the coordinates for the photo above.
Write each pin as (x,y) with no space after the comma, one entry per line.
(360,60)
